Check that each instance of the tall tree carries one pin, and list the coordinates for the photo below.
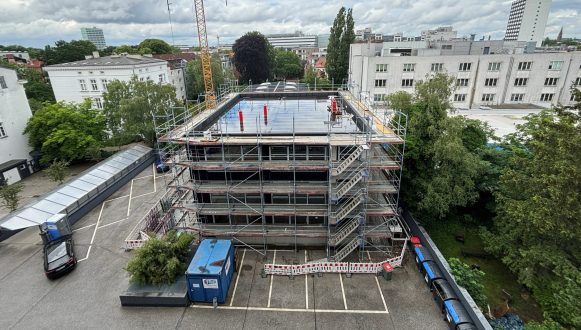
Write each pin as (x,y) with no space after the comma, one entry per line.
(287,65)
(127,49)
(195,79)
(64,52)
(157,46)
(537,232)
(333,65)
(66,131)
(347,39)
(130,106)
(253,57)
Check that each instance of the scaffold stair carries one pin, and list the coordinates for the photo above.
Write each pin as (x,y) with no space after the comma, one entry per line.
(346,209)
(345,250)
(344,231)
(349,160)
(345,186)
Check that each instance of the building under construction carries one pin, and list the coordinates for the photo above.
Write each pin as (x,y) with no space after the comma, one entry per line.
(292,168)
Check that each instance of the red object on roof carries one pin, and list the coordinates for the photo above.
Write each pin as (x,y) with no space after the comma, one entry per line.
(320,64)
(415,240)
(387,267)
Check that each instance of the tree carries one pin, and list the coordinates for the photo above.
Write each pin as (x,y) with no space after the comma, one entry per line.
(57,170)
(9,195)
(129,107)
(160,261)
(155,46)
(252,57)
(470,279)
(287,65)
(312,80)
(340,40)
(127,49)
(37,87)
(195,78)
(537,230)
(66,131)
(64,52)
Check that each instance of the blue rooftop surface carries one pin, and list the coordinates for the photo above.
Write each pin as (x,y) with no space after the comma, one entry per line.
(210,257)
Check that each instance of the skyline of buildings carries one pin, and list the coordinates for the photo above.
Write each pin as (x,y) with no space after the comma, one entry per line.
(94,35)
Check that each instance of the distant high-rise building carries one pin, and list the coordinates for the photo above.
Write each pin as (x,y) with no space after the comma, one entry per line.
(527,20)
(292,40)
(94,35)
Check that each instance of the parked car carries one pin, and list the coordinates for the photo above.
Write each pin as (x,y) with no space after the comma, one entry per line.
(59,257)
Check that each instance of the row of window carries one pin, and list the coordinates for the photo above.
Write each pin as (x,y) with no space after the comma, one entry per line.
(517,97)
(467,66)
(488,82)
(93,83)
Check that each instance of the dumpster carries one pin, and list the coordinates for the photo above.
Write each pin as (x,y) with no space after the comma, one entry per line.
(442,292)
(387,271)
(422,254)
(456,315)
(431,272)
(210,272)
(55,227)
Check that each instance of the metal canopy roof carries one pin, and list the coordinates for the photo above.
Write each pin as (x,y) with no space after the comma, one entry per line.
(69,197)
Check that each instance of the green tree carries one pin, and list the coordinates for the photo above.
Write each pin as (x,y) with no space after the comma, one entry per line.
(37,87)
(127,49)
(160,261)
(155,46)
(253,57)
(66,131)
(311,79)
(537,231)
(400,101)
(129,108)
(9,195)
(195,79)
(287,65)
(107,51)
(64,52)
(470,279)
(57,170)
(340,40)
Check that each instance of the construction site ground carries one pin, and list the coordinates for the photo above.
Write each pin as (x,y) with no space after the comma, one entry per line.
(88,298)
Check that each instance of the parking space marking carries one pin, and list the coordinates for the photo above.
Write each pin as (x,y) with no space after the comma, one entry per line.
(94,232)
(130,194)
(116,198)
(85,227)
(112,223)
(149,193)
(271,278)
(343,291)
(379,287)
(300,310)
(306,285)
(237,277)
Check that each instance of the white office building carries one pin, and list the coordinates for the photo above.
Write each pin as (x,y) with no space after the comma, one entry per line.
(292,41)
(14,114)
(527,20)
(94,35)
(88,79)
(481,79)
(440,33)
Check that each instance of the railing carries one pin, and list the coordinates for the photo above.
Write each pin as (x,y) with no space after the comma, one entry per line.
(344,231)
(347,161)
(345,250)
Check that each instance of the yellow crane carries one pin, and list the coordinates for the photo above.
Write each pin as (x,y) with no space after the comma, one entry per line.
(205,55)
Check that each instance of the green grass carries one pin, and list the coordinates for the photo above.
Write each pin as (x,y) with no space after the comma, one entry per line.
(498,277)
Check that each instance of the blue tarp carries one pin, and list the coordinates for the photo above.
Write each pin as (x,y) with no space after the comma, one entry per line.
(210,257)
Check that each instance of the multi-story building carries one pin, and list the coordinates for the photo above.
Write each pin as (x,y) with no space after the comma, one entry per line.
(527,20)
(88,79)
(481,79)
(292,40)
(14,114)
(94,35)
(15,56)
(440,33)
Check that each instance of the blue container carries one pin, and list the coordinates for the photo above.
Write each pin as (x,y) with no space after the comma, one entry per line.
(431,272)
(210,272)
(422,254)
(456,315)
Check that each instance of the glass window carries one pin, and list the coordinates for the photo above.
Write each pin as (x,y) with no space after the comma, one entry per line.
(83,84)
(2,130)
(517,97)
(555,65)
(551,81)
(437,67)
(409,67)
(521,81)
(380,82)
(407,82)
(464,66)
(487,97)
(462,82)
(94,85)
(459,97)
(547,97)
(490,82)
(524,66)
(381,68)
(494,66)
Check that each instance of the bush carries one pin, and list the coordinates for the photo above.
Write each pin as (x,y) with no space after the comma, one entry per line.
(9,195)
(160,261)
(57,170)
(470,279)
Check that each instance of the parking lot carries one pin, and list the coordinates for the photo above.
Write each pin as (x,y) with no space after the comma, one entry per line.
(88,297)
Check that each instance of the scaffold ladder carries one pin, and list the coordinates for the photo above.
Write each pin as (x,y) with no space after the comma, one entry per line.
(346,208)
(350,182)
(344,231)
(345,250)
(349,160)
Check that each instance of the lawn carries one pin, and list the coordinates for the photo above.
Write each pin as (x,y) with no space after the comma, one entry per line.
(498,277)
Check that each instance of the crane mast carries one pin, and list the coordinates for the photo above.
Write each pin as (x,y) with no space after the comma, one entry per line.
(205,55)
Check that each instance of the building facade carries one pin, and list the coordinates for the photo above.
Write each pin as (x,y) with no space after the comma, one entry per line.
(527,20)
(292,41)
(94,35)
(88,79)
(14,114)
(541,79)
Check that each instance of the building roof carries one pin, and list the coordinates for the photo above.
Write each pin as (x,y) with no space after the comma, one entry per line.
(321,62)
(113,60)
(179,56)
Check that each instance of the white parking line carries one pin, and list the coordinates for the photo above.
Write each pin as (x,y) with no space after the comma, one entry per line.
(112,223)
(343,291)
(149,193)
(306,285)
(379,287)
(300,310)
(94,233)
(271,278)
(130,194)
(85,227)
(237,277)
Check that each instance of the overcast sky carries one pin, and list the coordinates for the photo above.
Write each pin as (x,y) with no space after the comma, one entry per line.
(40,22)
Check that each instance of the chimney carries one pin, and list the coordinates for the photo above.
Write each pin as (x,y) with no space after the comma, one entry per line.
(96,54)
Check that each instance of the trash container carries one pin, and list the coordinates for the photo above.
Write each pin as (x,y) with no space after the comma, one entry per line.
(387,271)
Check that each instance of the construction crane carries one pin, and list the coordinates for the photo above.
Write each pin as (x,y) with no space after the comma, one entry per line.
(210,94)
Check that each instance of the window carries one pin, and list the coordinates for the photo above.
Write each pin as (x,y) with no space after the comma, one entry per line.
(555,65)
(547,97)
(573,98)
(83,84)
(490,82)
(464,66)
(380,67)
(104,82)
(437,67)
(525,66)
(517,97)
(487,97)
(493,66)
(3,83)
(578,81)
(378,97)
(98,103)
(407,82)
(521,81)
(551,81)
(380,82)
(446,46)
(461,82)
(459,97)
(161,78)
(141,79)
(409,67)
(94,85)
(2,131)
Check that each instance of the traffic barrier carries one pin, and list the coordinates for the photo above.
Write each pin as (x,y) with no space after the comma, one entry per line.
(331,267)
